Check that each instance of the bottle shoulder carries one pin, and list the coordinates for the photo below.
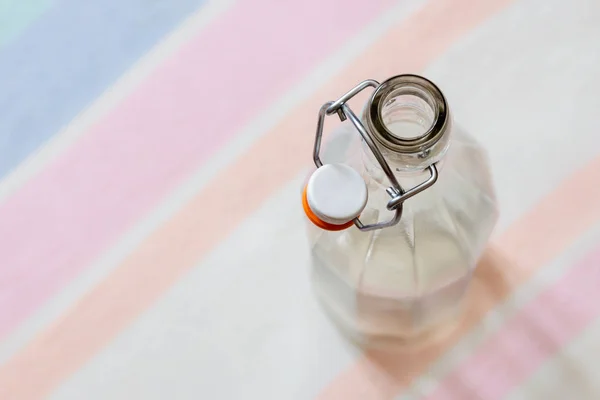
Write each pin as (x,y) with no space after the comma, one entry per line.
(461,204)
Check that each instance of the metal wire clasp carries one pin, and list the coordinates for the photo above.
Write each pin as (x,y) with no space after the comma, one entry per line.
(395,191)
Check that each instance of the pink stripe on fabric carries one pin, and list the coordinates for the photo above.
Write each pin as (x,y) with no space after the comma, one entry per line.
(66,216)
(539,330)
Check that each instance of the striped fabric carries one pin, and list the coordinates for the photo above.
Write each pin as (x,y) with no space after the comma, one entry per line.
(151,235)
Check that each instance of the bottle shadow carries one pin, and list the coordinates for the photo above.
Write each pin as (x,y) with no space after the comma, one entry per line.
(495,277)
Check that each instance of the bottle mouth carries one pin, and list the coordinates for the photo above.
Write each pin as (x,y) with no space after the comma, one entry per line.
(407,114)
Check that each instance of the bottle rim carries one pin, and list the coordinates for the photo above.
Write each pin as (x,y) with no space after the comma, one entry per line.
(414,85)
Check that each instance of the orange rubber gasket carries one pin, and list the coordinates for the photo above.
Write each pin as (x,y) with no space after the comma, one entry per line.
(319,222)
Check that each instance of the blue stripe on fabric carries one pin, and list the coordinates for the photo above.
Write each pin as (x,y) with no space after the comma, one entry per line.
(67,58)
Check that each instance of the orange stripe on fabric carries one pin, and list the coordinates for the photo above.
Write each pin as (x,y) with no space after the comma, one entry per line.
(218,209)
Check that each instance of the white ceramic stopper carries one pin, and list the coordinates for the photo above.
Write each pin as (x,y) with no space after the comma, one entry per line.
(336,193)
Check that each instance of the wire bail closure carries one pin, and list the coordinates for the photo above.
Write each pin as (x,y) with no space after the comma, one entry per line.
(395,191)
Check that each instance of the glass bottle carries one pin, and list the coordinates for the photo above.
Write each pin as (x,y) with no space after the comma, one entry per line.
(400,209)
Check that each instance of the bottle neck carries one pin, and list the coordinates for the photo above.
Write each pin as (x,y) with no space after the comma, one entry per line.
(410,120)
(407,177)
